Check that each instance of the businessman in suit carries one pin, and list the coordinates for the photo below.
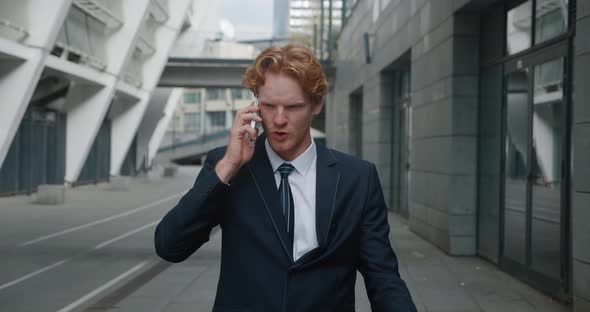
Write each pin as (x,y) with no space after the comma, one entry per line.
(297,219)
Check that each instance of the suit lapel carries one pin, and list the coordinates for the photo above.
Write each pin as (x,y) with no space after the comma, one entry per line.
(327,180)
(263,176)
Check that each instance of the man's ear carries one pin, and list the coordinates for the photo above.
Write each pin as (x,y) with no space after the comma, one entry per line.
(317,106)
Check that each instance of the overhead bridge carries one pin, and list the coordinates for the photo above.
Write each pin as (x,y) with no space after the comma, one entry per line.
(212,72)
(204,73)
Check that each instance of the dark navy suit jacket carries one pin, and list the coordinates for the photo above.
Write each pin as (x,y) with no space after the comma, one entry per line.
(257,270)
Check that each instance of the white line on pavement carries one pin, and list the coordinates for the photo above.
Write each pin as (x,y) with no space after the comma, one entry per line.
(110,241)
(32,274)
(107,219)
(99,246)
(100,289)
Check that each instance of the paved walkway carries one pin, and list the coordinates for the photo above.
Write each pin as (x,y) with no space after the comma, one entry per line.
(121,224)
(437,282)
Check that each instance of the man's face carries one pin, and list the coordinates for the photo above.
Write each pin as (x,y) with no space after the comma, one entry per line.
(286,115)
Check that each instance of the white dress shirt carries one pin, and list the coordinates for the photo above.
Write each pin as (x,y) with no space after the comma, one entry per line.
(303,184)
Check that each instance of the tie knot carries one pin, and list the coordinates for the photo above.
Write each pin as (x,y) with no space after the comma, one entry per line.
(285,169)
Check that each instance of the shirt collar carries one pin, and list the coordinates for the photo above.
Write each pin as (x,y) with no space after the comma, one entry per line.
(302,163)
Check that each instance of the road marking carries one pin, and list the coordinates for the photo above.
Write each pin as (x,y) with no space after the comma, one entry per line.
(102,288)
(99,246)
(110,241)
(33,274)
(107,219)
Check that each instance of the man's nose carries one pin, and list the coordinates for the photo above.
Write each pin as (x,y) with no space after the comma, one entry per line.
(280,118)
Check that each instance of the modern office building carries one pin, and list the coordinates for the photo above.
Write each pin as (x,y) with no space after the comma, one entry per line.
(477,116)
(316,23)
(219,104)
(76,77)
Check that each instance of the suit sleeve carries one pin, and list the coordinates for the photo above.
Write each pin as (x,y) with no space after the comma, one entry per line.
(188,225)
(378,263)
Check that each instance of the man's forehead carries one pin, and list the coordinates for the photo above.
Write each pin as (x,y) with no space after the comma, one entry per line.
(281,96)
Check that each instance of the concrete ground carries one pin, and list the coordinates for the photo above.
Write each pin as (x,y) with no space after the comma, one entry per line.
(95,253)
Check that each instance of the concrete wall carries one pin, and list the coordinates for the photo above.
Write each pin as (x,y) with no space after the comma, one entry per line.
(444,67)
(581,170)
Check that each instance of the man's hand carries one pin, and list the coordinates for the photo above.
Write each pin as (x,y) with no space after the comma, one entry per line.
(239,150)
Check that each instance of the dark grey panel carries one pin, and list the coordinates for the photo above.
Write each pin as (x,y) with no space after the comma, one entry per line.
(581,96)
(580,229)
(582,41)
(581,169)
(581,281)
(583,10)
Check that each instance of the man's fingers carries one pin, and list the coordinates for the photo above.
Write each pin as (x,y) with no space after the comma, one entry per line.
(246,118)
(247,129)
(249,109)
(246,114)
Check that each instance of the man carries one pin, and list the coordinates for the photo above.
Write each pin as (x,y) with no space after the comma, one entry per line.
(298,219)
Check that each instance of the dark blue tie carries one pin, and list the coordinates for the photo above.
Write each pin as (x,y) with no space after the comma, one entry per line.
(286,198)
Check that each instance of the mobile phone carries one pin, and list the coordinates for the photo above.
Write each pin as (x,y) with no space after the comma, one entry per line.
(253,122)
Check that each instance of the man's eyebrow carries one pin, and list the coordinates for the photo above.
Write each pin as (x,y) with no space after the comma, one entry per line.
(290,104)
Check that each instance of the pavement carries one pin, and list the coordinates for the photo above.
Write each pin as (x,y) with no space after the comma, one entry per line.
(95,253)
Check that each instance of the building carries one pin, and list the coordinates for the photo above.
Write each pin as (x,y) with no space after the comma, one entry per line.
(77,78)
(220,106)
(316,23)
(476,115)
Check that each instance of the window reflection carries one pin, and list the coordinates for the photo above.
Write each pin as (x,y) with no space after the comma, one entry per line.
(516,149)
(551,19)
(546,173)
(518,28)
(547,123)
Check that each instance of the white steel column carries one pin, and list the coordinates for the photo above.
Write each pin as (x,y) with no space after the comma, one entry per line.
(89,110)
(21,62)
(162,125)
(125,125)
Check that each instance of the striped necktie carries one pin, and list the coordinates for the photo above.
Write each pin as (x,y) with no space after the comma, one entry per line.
(286,198)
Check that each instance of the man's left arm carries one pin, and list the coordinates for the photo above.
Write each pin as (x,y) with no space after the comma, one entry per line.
(378,263)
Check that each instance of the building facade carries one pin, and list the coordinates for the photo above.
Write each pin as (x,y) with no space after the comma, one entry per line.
(219,104)
(476,115)
(77,77)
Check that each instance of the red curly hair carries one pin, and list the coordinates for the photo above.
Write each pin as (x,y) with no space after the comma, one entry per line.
(294,60)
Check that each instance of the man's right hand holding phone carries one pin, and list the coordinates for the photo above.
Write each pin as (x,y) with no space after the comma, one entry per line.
(239,149)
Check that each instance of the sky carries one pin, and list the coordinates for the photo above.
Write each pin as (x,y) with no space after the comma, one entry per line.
(251,19)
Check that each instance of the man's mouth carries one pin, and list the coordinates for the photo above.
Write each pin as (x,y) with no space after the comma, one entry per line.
(279,135)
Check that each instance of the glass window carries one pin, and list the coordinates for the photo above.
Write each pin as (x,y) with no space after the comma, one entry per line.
(175,123)
(237,93)
(215,94)
(192,97)
(404,84)
(546,174)
(551,19)
(516,165)
(518,28)
(217,119)
(192,121)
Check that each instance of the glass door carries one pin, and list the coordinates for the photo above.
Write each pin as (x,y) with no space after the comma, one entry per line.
(546,171)
(516,166)
(534,119)
(405,119)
